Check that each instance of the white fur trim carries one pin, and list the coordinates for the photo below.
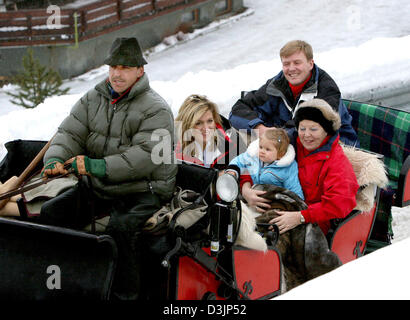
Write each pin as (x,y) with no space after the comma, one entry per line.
(247,236)
(253,148)
(288,158)
(325,108)
(370,172)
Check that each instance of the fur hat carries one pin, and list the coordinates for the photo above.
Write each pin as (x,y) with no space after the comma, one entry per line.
(319,111)
(125,52)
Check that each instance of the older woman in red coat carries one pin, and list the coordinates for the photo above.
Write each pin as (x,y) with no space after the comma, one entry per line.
(326,175)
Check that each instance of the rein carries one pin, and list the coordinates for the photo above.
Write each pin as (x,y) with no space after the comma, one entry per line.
(30,186)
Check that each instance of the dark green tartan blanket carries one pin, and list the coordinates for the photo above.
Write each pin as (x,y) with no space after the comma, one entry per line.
(382,130)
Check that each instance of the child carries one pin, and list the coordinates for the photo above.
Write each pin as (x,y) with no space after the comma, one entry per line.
(274,162)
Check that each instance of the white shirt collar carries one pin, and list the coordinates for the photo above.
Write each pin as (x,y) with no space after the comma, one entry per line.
(210,154)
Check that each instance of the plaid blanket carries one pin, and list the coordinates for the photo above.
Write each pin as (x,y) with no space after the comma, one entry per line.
(385,131)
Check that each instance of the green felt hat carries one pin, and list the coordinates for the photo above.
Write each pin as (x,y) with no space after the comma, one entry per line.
(125,52)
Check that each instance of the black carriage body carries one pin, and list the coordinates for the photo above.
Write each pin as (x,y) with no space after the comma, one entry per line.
(19,155)
(48,263)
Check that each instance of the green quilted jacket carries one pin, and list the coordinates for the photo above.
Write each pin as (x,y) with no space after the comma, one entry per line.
(125,135)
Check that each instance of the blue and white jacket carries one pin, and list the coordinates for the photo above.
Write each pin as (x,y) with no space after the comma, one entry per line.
(282,173)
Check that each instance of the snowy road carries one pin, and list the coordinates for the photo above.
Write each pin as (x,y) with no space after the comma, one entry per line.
(325,24)
(264,28)
(258,36)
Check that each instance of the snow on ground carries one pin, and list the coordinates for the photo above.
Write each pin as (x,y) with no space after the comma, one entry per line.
(362,44)
(381,275)
(401,223)
(222,86)
(325,24)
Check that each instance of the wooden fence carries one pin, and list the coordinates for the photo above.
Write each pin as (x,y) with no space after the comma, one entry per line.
(30,27)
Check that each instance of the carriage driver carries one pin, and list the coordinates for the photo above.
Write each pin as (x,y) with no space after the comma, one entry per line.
(108,136)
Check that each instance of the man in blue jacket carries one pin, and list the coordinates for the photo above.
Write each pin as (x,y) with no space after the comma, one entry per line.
(275,103)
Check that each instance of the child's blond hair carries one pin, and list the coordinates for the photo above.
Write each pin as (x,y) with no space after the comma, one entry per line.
(280,140)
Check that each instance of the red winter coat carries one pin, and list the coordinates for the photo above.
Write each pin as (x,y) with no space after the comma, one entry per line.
(328,182)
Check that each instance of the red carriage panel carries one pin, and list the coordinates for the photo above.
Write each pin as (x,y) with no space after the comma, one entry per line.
(403,190)
(257,273)
(350,238)
(193,281)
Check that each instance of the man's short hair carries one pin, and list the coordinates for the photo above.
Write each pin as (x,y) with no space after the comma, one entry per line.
(295,46)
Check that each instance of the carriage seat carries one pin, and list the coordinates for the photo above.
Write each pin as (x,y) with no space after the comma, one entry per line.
(348,237)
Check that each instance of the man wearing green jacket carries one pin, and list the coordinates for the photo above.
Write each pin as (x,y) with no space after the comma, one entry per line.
(110,135)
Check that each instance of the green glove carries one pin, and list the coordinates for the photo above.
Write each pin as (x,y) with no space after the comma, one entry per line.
(53,167)
(86,166)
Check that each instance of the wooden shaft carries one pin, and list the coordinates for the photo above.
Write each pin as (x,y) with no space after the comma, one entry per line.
(17,182)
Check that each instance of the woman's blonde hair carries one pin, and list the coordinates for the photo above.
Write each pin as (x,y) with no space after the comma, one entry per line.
(191,110)
(280,140)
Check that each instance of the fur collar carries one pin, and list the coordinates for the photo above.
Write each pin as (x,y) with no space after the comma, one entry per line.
(288,158)
(370,173)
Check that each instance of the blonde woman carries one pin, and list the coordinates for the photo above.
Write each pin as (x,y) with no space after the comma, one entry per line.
(203,136)
(200,135)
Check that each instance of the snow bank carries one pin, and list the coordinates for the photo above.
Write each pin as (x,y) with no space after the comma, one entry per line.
(376,63)
(382,274)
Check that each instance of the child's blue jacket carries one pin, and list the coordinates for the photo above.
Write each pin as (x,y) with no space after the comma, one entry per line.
(282,173)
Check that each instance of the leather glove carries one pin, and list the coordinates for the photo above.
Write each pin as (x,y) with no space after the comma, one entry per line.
(85,166)
(53,167)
